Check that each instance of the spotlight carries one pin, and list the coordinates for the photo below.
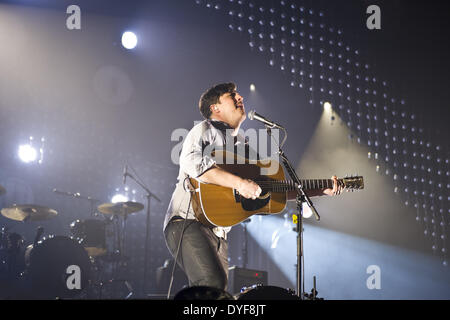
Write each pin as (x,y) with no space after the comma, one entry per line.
(327,106)
(119,198)
(129,40)
(252,87)
(27,153)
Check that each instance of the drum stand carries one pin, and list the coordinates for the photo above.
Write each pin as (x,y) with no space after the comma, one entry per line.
(147,246)
(94,260)
(118,258)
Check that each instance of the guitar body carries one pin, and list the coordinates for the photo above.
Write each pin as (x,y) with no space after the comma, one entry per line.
(215,205)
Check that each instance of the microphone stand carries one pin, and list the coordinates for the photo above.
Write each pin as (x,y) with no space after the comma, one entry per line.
(301,198)
(149,195)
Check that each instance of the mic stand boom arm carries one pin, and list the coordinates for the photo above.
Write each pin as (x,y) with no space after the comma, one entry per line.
(91,200)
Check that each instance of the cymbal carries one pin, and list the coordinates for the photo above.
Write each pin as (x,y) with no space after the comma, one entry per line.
(121,208)
(2,190)
(28,212)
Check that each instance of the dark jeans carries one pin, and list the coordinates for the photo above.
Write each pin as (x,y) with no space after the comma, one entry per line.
(203,256)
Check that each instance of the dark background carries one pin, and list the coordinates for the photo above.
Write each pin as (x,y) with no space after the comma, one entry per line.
(100,106)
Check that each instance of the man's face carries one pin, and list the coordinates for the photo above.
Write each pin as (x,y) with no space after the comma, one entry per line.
(230,109)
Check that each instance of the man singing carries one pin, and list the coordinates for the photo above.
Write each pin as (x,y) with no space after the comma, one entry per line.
(203,251)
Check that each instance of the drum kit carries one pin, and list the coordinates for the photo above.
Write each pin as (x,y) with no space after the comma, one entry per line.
(73,267)
(65,267)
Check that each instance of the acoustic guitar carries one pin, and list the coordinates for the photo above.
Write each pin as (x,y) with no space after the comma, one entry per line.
(214,205)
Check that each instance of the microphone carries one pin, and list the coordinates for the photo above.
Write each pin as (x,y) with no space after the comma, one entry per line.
(125,173)
(252,115)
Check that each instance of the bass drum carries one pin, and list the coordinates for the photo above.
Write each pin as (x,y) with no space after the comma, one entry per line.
(91,235)
(267,293)
(57,267)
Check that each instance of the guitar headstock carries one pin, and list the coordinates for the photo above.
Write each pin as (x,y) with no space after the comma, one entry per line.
(353,183)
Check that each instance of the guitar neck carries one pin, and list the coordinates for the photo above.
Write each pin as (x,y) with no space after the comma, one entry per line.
(285,185)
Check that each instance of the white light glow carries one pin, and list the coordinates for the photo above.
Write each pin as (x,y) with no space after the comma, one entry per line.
(119,198)
(327,106)
(27,153)
(129,40)
(307,213)
(252,87)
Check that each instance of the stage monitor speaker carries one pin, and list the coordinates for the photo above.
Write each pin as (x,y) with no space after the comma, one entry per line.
(241,277)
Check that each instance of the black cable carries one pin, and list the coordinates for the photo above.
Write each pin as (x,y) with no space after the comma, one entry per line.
(179,242)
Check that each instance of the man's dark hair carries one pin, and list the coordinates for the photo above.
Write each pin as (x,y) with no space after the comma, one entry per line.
(212,95)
